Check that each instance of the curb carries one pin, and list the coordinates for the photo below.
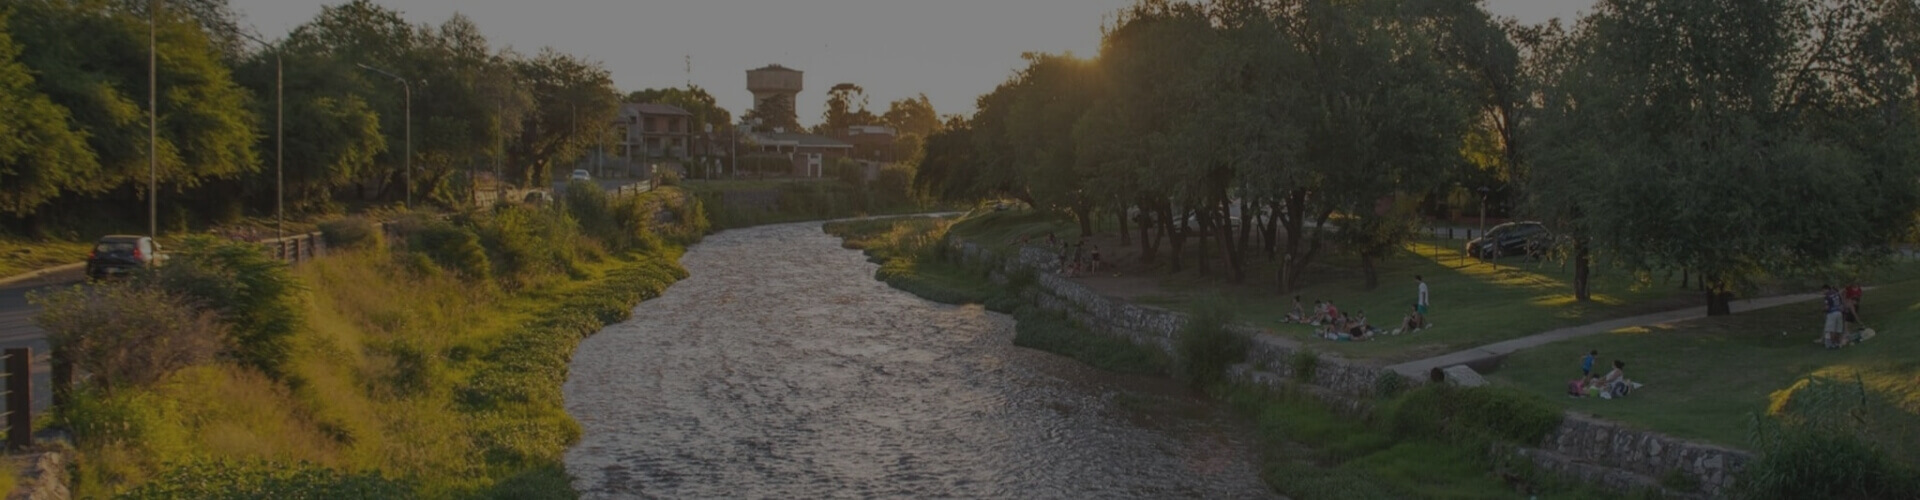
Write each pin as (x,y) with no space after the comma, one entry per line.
(39,273)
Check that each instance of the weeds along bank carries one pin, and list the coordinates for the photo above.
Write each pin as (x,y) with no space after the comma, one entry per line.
(425,360)
(1334,430)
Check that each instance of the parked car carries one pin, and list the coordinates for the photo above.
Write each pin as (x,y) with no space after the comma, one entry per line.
(120,255)
(580,175)
(1513,238)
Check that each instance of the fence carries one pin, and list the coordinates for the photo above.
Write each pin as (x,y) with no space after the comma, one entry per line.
(19,397)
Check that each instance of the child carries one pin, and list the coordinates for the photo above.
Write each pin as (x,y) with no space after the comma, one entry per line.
(1586,363)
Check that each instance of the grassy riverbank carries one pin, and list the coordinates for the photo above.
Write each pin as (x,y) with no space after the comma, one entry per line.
(428,366)
(1430,443)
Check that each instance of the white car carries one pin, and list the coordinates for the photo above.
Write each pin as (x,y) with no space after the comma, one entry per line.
(580,175)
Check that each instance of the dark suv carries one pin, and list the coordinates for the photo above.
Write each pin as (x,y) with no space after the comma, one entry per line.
(1512,238)
(119,255)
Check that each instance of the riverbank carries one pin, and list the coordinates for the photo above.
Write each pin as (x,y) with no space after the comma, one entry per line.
(1621,457)
(1391,446)
(425,366)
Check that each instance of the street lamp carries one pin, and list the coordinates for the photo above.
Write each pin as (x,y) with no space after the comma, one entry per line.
(1483,210)
(279,141)
(407,176)
(153,123)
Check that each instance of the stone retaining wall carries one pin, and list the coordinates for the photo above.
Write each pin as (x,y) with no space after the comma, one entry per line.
(1595,451)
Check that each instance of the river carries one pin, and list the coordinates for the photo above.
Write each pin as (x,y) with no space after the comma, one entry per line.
(782,369)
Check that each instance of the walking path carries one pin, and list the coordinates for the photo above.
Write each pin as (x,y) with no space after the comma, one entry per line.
(1419,369)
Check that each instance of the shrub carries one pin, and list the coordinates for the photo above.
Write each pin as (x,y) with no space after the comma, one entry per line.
(1207,348)
(97,416)
(127,334)
(1827,439)
(1390,383)
(1305,362)
(256,296)
(350,233)
(1453,414)
(668,178)
(453,247)
(526,244)
(1052,332)
(229,479)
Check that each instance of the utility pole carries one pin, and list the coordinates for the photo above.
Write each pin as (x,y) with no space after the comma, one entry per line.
(153,122)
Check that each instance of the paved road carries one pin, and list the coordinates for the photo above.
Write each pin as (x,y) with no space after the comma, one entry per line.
(17,329)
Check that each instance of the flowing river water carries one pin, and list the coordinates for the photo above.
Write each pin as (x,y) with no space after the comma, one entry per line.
(782,369)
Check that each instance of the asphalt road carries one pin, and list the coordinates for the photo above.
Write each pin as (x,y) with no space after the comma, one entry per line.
(17,329)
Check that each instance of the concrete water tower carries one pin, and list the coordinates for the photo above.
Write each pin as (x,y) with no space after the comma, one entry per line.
(775,80)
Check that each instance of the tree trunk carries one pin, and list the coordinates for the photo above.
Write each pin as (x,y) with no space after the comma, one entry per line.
(1719,301)
(1684,280)
(1235,250)
(1125,237)
(1246,226)
(1175,235)
(1270,231)
(1582,271)
(1084,214)
(1205,234)
(1148,247)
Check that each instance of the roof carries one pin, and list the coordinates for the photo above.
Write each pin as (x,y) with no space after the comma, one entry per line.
(774,67)
(647,108)
(805,140)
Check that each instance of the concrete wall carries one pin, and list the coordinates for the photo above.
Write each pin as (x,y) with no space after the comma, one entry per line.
(1595,451)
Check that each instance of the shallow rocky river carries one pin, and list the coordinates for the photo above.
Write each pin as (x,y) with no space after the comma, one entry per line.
(782,369)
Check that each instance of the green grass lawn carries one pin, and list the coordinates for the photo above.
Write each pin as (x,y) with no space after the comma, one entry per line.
(20,255)
(1705,377)
(1474,302)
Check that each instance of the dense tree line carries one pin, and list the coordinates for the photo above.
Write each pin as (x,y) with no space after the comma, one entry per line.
(75,140)
(1727,138)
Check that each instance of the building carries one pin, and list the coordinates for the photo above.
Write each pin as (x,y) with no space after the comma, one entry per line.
(872,143)
(810,153)
(654,131)
(775,81)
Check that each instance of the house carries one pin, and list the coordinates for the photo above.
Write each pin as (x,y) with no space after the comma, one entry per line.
(810,153)
(648,130)
(872,143)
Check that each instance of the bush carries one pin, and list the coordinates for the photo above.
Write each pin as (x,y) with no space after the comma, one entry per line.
(256,296)
(1305,363)
(526,244)
(1453,414)
(1053,332)
(350,233)
(127,334)
(1207,348)
(1827,439)
(229,479)
(98,416)
(1390,383)
(453,247)
(668,178)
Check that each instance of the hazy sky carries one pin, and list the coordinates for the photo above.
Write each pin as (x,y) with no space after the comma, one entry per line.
(951,50)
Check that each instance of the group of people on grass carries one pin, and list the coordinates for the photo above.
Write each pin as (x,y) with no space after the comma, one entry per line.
(1339,327)
(1842,307)
(1592,385)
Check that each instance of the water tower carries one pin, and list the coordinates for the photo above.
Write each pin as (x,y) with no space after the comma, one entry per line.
(775,80)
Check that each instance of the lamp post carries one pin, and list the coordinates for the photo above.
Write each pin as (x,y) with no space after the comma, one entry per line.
(1483,210)
(153,123)
(407,175)
(279,140)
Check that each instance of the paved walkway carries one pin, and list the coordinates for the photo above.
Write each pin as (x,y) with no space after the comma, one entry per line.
(1419,369)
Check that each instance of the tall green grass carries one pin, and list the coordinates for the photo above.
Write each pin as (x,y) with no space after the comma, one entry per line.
(425,367)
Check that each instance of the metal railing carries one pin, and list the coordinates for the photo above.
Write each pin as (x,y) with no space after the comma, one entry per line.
(19,397)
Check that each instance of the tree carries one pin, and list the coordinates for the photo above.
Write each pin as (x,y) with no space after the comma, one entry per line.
(913,116)
(846,107)
(40,155)
(206,127)
(947,167)
(575,98)
(1734,139)
(775,112)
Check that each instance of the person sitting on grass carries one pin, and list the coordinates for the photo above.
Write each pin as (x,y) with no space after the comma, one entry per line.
(1615,385)
(1358,328)
(1319,313)
(1413,321)
(1299,313)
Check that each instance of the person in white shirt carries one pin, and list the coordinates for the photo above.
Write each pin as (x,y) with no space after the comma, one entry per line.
(1422,303)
